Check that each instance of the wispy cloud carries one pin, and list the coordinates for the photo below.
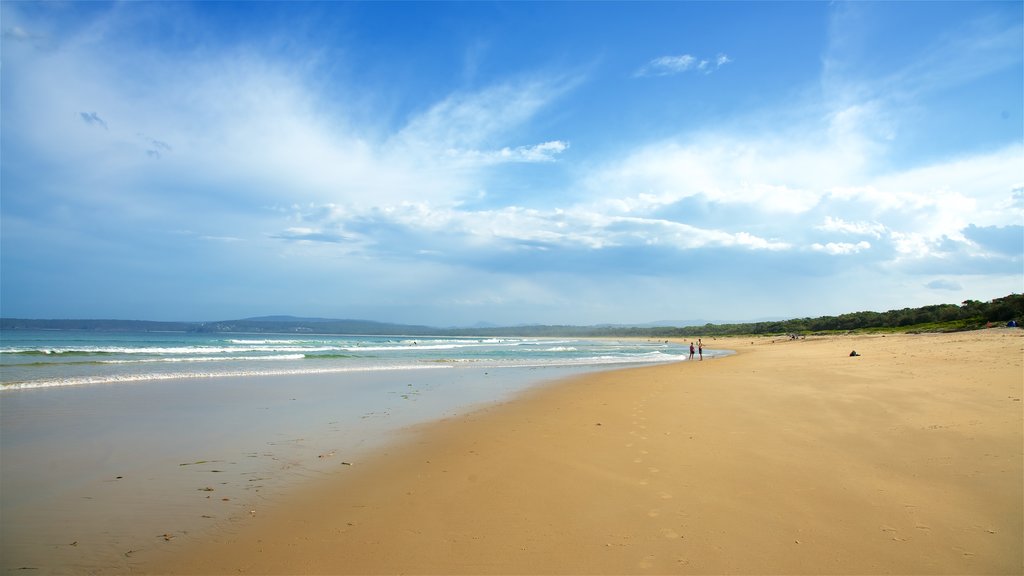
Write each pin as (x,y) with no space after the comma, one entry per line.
(155,148)
(672,65)
(516,227)
(310,235)
(544,152)
(93,119)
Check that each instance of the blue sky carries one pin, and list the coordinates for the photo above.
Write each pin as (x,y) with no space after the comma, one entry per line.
(448,164)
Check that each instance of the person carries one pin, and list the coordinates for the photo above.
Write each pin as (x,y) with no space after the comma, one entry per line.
(700,348)
(691,350)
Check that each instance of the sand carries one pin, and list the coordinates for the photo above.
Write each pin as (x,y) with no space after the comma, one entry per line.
(790,457)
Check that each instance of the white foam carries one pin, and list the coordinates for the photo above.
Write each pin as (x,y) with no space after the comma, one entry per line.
(115,379)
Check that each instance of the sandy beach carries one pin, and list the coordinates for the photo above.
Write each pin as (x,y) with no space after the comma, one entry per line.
(790,457)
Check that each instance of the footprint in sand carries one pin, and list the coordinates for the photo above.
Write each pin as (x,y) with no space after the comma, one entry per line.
(665,495)
(654,513)
(670,534)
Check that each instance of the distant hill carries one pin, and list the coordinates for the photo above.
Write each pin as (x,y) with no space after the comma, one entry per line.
(97,325)
(968,315)
(289,324)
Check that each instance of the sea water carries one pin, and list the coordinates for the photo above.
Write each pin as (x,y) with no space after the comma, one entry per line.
(114,445)
(38,359)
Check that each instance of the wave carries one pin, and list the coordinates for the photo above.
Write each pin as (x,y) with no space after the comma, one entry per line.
(178,359)
(164,351)
(253,342)
(204,359)
(54,352)
(127,378)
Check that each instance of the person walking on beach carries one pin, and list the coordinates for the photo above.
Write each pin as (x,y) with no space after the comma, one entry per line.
(691,350)
(700,348)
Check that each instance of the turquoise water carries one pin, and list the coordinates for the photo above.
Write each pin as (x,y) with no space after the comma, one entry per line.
(40,359)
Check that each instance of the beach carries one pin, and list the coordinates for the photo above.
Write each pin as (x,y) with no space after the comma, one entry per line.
(113,444)
(790,457)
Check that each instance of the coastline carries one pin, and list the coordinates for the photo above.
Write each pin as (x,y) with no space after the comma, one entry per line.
(789,457)
(95,475)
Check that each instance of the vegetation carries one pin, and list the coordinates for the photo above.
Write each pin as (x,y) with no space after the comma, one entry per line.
(969,315)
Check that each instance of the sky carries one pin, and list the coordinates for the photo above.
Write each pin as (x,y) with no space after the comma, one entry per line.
(450,164)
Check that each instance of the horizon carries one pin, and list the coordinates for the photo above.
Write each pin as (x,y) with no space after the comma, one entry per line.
(454,164)
(693,323)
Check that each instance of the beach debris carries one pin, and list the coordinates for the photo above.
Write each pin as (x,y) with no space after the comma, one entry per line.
(75,543)
(327,455)
(346,463)
(206,489)
(854,353)
(166,536)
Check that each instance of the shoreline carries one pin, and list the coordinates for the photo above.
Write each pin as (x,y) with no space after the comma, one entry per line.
(788,457)
(94,476)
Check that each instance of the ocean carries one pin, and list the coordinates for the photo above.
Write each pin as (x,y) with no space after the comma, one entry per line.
(40,359)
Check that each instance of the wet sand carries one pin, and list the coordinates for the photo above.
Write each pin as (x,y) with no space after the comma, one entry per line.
(790,457)
(92,477)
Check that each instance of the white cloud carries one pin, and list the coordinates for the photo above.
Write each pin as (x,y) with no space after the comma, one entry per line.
(832,224)
(841,248)
(544,152)
(514,226)
(672,65)
(770,177)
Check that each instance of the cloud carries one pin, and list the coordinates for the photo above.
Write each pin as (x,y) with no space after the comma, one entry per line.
(833,224)
(17,33)
(451,233)
(942,284)
(841,248)
(93,119)
(672,65)
(301,234)
(471,120)
(156,148)
(544,152)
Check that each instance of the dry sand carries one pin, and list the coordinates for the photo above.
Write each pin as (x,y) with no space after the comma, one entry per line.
(789,457)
